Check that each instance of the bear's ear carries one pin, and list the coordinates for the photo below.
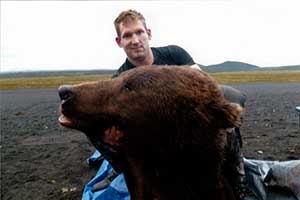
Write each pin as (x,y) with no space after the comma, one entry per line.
(227,115)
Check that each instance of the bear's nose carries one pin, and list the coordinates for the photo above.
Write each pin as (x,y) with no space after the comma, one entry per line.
(65,92)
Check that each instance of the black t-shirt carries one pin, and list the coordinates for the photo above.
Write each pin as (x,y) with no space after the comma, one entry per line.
(168,55)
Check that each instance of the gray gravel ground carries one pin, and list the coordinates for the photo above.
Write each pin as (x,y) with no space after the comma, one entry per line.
(42,160)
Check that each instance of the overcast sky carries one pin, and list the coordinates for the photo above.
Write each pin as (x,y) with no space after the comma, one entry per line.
(51,35)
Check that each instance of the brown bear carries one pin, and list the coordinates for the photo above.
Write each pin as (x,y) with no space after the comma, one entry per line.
(164,127)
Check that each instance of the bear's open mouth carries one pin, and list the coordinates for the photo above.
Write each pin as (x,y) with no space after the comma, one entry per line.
(110,134)
(107,142)
(67,122)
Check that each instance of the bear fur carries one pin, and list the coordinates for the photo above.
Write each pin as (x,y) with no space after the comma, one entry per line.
(163,127)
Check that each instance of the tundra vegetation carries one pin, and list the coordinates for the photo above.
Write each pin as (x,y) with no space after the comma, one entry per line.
(223,77)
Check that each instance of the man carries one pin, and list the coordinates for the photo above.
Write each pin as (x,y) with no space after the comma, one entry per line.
(134,36)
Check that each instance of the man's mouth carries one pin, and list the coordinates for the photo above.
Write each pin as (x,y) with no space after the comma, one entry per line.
(138,48)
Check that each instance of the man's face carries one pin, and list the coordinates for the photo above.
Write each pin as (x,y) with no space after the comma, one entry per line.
(134,39)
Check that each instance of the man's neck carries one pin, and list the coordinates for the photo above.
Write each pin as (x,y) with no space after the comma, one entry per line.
(149,60)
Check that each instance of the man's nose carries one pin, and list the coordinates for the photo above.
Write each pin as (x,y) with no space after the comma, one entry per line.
(135,38)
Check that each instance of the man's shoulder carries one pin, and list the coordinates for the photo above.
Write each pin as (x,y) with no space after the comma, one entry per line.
(166,48)
(172,54)
(168,51)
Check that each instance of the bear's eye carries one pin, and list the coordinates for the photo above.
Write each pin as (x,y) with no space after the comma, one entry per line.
(127,87)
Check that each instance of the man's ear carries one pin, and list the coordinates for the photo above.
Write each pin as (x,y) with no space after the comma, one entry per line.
(149,33)
(118,41)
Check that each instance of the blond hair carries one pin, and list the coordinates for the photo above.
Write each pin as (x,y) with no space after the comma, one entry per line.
(128,16)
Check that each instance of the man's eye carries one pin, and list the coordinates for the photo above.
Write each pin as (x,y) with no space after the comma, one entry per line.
(140,32)
(126,36)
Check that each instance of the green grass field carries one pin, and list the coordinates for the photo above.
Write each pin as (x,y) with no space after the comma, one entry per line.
(225,77)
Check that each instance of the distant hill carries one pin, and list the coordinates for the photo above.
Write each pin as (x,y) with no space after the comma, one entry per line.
(230,66)
(293,67)
(233,66)
(55,73)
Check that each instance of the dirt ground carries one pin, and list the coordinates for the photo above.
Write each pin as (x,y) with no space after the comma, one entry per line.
(42,160)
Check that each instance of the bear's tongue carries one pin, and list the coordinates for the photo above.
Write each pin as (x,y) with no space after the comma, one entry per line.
(63,120)
(113,135)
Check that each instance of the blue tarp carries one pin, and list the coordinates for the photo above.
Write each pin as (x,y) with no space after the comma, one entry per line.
(260,175)
(117,190)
